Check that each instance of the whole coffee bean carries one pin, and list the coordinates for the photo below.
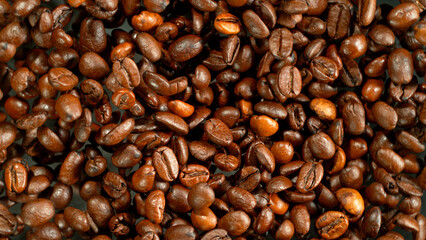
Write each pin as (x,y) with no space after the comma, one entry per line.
(325,109)
(143,178)
(366,12)
(385,115)
(218,132)
(192,174)
(154,206)
(310,175)
(149,46)
(354,46)
(254,24)
(68,107)
(351,200)
(114,184)
(300,217)
(203,219)
(281,43)
(201,196)
(93,66)
(16,177)
(99,210)
(235,223)
(264,221)
(166,164)
(93,37)
(338,21)
(241,199)
(227,23)
(398,19)
(172,121)
(186,232)
(202,150)
(185,48)
(285,231)
(332,224)
(289,81)
(264,125)
(278,184)
(324,69)
(400,66)
(354,117)
(177,199)
(77,219)
(70,170)
(37,212)
(390,160)
(350,74)
(146,21)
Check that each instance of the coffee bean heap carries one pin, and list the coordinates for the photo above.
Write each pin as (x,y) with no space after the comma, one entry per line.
(212,119)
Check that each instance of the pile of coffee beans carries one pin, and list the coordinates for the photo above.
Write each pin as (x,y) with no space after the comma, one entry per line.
(212,119)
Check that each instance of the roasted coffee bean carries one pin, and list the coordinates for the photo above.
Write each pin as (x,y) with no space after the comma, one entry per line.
(227,23)
(332,224)
(403,15)
(310,175)
(37,212)
(166,164)
(351,200)
(235,223)
(281,43)
(300,218)
(254,24)
(218,132)
(289,81)
(201,196)
(254,119)
(185,48)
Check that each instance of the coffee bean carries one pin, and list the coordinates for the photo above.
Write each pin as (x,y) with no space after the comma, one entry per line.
(289,81)
(166,164)
(332,224)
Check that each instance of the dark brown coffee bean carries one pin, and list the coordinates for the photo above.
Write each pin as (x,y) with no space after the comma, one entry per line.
(354,118)
(77,219)
(338,21)
(289,81)
(310,175)
(93,37)
(218,132)
(201,196)
(254,24)
(403,15)
(114,184)
(235,223)
(7,220)
(400,66)
(185,48)
(37,212)
(281,43)
(300,217)
(366,12)
(278,184)
(172,121)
